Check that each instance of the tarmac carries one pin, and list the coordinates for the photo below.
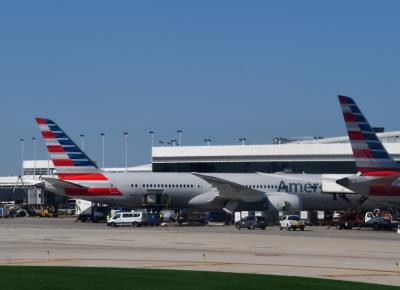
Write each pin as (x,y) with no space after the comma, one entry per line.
(356,255)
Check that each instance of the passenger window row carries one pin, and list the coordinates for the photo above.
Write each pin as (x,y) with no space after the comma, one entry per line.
(262,186)
(191,186)
(166,185)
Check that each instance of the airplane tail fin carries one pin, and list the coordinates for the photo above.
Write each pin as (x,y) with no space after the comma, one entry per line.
(369,154)
(70,162)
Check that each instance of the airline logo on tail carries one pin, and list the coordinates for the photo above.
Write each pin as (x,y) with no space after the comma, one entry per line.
(72,164)
(370,156)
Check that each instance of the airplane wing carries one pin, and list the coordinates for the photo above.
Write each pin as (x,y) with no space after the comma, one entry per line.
(231,191)
(385,180)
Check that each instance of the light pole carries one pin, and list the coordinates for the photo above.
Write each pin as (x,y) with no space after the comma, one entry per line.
(102,148)
(126,150)
(48,163)
(82,141)
(22,156)
(243,140)
(152,145)
(173,142)
(207,141)
(179,137)
(162,143)
(34,155)
(152,138)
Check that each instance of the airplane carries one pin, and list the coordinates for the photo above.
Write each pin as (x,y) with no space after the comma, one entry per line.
(77,176)
(378,172)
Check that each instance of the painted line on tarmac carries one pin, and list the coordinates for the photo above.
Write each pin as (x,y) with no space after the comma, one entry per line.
(35,261)
(361,275)
(190,263)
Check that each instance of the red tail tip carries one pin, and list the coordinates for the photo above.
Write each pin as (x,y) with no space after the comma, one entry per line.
(40,121)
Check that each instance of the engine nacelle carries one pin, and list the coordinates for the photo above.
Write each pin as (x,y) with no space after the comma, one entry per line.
(283,201)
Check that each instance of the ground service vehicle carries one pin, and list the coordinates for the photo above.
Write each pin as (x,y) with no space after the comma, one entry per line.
(153,219)
(191,217)
(18,213)
(135,219)
(252,222)
(378,222)
(348,219)
(292,222)
(121,219)
(139,219)
(94,214)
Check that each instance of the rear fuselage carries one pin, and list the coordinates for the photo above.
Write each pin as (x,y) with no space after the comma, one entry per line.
(374,188)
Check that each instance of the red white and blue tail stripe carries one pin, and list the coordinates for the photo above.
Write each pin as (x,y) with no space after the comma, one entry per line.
(369,154)
(72,164)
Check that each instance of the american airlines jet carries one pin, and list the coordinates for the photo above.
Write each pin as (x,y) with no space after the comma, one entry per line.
(378,172)
(79,177)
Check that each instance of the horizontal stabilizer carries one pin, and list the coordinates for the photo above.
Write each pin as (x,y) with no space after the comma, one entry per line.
(61,184)
(364,185)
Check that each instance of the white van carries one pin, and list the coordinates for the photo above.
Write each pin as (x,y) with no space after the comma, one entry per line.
(135,219)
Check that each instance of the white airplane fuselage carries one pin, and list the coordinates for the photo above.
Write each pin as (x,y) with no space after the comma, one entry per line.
(282,191)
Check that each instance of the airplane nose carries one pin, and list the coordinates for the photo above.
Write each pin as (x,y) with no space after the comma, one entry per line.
(345,182)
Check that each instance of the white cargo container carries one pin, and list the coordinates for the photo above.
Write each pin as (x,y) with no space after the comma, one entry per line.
(304,215)
(81,205)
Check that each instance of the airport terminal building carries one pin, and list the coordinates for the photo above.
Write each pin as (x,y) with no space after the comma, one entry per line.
(328,155)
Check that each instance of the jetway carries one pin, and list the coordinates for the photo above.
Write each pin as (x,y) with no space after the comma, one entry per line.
(24,190)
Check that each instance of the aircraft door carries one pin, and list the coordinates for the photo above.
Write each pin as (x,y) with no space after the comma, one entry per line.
(114,188)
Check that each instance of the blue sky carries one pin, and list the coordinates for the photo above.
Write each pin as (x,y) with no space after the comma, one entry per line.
(217,69)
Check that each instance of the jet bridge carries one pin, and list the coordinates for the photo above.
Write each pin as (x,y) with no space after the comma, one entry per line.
(23,189)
